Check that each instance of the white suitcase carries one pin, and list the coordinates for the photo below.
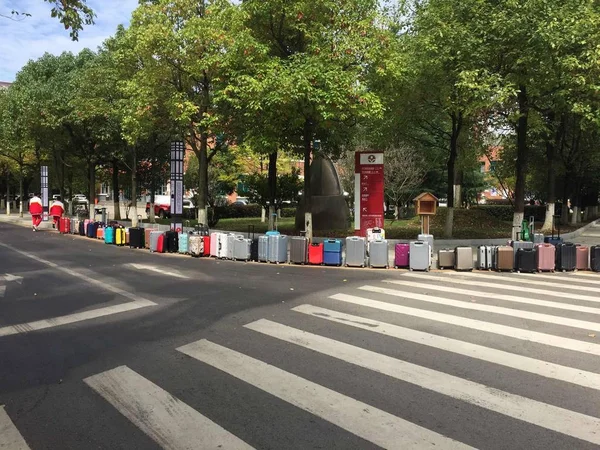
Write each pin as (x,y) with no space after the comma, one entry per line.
(214,244)
(426,238)
(420,256)
(222,247)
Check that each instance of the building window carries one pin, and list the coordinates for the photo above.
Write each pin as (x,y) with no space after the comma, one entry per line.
(493,166)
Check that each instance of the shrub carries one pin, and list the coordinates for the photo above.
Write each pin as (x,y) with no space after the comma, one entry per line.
(505,212)
(288,212)
(237,211)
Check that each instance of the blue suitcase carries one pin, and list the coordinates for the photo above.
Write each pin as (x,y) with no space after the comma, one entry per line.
(332,252)
(109,235)
(184,242)
(553,240)
(92,228)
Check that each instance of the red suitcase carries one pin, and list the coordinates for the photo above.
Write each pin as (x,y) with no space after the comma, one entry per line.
(315,254)
(160,246)
(206,245)
(64,225)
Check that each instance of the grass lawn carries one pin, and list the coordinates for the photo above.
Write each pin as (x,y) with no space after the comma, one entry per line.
(468,224)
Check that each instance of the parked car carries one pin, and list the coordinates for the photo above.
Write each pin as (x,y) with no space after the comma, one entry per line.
(162,207)
(80,199)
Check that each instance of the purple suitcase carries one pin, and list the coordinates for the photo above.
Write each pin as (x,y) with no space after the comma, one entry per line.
(401,255)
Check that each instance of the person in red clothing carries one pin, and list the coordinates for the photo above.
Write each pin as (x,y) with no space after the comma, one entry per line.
(57,209)
(36,210)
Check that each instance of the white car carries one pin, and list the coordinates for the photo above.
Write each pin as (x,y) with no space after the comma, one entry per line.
(80,199)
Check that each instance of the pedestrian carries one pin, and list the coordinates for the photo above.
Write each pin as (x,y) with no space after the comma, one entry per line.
(57,209)
(36,210)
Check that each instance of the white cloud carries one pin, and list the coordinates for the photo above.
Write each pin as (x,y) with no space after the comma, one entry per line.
(33,36)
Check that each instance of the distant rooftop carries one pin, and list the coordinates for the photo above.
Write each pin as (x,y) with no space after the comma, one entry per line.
(4,84)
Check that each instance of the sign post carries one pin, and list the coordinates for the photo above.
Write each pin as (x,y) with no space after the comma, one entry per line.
(368,191)
(44,189)
(177,152)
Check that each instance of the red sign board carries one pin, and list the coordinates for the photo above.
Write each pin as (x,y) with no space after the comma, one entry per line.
(368,191)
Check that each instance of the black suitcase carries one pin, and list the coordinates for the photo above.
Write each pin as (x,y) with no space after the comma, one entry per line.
(526,260)
(171,242)
(595,258)
(136,238)
(253,244)
(202,230)
(566,257)
(82,228)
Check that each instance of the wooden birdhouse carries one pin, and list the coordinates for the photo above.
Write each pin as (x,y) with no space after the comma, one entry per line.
(426,204)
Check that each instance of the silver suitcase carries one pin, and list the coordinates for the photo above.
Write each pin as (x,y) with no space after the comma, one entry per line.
(278,248)
(263,248)
(378,254)
(231,238)
(154,235)
(464,258)
(485,257)
(355,251)
(426,238)
(538,238)
(298,250)
(420,256)
(241,248)
(446,258)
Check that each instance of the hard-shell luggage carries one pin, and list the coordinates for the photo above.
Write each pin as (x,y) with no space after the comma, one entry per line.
(582,257)
(298,250)
(426,238)
(464,258)
(100,232)
(315,253)
(278,248)
(402,255)
(196,245)
(375,234)
(253,243)
(420,256)
(64,225)
(526,260)
(82,228)
(538,238)
(109,235)
(183,243)
(92,230)
(566,257)
(86,222)
(120,236)
(505,258)
(554,240)
(222,245)
(157,241)
(214,244)
(378,254)
(332,252)
(147,232)
(201,230)
(356,251)
(74,226)
(595,258)
(545,257)
(171,242)
(231,238)
(446,258)
(137,238)
(263,248)
(207,243)
(485,257)
(241,248)
(516,245)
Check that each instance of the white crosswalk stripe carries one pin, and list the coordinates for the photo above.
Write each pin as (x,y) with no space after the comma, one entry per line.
(364,420)
(583,324)
(505,286)
(524,363)
(170,422)
(495,296)
(538,413)
(10,438)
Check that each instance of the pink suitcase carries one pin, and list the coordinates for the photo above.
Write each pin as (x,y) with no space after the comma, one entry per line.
(545,257)
(583,257)
(401,255)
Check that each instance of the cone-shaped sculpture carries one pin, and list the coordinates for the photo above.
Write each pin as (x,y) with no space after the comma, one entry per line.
(329,207)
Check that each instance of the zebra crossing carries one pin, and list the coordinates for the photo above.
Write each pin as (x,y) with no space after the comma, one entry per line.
(424,310)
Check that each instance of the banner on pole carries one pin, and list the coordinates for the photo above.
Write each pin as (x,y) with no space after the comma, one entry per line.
(177,156)
(368,191)
(44,189)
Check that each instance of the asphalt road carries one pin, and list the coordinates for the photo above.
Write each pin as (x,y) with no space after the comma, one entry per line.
(176,352)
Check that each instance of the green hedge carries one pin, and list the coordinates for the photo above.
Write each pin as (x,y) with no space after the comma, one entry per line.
(237,211)
(505,212)
(288,212)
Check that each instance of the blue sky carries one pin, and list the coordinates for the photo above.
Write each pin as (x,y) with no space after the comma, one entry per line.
(31,37)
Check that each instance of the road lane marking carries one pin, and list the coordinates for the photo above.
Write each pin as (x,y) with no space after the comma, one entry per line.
(157,270)
(547,318)
(488,327)
(10,438)
(171,423)
(503,286)
(551,417)
(73,318)
(493,295)
(361,419)
(523,363)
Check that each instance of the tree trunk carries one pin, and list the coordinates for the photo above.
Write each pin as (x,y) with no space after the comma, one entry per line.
(203,179)
(564,216)
(263,215)
(7,193)
(575,216)
(92,179)
(272,186)
(134,216)
(20,191)
(115,183)
(521,169)
(151,209)
(308,138)
(550,188)
(451,173)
